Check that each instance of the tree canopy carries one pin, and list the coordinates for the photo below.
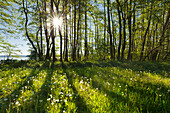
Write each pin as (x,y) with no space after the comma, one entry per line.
(89,29)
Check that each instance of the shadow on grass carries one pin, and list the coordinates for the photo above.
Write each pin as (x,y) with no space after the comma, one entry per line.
(153,67)
(95,84)
(79,101)
(151,99)
(23,64)
(39,102)
(149,105)
(14,95)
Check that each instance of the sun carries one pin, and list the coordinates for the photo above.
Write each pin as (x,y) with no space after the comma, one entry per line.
(57,22)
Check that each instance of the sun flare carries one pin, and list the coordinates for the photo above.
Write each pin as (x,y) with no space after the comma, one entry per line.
(57,22)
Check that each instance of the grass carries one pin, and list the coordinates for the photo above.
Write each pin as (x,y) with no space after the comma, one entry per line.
(85,87)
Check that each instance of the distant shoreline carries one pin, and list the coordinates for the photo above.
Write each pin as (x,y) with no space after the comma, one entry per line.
(16,55)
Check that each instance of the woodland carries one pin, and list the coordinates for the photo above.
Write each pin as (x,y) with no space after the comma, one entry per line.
(133,30)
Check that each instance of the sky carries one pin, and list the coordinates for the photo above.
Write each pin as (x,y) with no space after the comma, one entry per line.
(16,38)
(21,44)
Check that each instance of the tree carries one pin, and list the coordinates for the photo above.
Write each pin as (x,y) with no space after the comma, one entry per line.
(109,28)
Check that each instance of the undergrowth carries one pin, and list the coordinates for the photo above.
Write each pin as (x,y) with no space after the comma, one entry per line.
(85,87)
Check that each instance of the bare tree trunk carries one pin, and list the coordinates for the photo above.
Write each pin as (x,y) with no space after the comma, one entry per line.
(113,30)
(61,45)
(134,27)
(52,32)
(78,30)
(46,32)
(74,49)
(124,30)
(130,34)
(85,42)
(41,58)
(66,55)
(26,24)
(104,29)
(120,34)
(38,46)
(109,29)
(41,40)
(144,38)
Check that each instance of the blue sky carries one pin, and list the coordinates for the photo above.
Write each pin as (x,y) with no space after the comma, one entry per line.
(21,44)
(15,38)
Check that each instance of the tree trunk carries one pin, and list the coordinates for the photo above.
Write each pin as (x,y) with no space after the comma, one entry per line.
(78,30)
(134,27)
(120,34)
(85,42)
(61,45)
(130,34)
(41,58)
(26,22)
(113,32)
(52,32)
(144,38)
(109,29)
(74,49)
(46,32)
(124,34)
(41,40)
(104,29)
(66,55)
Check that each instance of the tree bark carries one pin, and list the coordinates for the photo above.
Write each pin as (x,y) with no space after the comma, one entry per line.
(130,33)
(78,32)
(144,38)
(66,55)
(46,32)
(109,28)
(104,29)
(86,48)
(134,29)
(52,32)
(113,32)
(124,29)
(41,39)
(26,24)
(120,34)
(61,46)
(74,49)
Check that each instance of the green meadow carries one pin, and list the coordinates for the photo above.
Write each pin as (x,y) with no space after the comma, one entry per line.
(85,87)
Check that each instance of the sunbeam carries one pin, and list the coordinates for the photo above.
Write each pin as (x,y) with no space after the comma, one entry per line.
(57,22)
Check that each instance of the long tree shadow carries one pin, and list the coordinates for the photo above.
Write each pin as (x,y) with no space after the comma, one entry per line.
(160,68)
(95,84)
(14,95)
(151,99)
(39,102)
(163,69)
(17,64)
(142,105)
(79,101)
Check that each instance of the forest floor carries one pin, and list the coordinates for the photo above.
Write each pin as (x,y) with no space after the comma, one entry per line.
(85,87)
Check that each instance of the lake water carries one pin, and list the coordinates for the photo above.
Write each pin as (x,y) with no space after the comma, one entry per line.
(14,58)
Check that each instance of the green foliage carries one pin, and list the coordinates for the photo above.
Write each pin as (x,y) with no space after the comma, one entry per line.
(9,50)
(31,86)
